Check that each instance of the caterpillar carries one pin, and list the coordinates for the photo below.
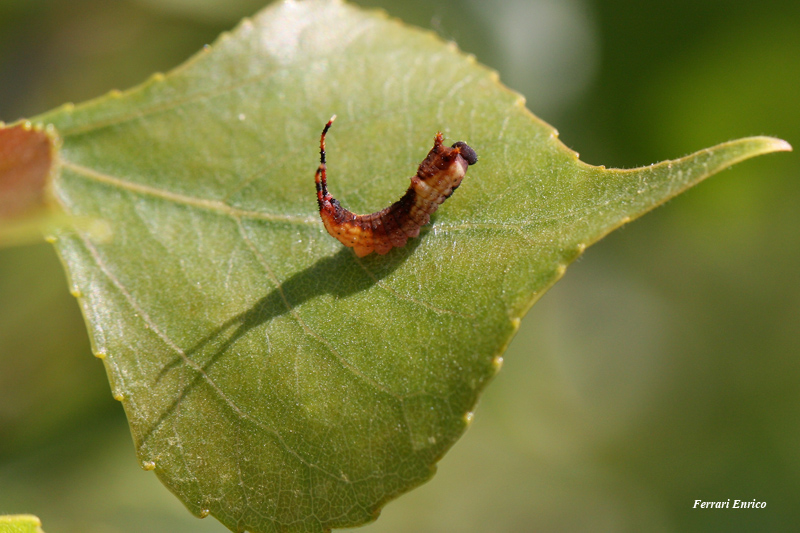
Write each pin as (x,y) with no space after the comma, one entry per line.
(439,174)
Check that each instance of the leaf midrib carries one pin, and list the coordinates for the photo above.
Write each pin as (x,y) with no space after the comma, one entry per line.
(182,199)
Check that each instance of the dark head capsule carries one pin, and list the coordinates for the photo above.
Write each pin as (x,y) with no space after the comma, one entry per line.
(466,152)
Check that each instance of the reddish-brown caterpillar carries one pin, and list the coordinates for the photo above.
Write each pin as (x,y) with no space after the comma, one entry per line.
(439,174)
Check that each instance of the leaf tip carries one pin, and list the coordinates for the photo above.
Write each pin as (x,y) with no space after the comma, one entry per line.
(764,145)
(779,145)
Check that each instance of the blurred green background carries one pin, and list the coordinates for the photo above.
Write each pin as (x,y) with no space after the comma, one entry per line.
(664,368)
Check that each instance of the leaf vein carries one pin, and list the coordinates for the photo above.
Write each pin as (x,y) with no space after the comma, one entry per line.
(411,299)
(290,308)
(145,317)
(178,198)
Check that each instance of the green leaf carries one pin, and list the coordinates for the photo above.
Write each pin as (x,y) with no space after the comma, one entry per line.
(21,523)
(270,377)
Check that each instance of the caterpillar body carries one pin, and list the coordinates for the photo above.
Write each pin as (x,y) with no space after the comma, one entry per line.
(439,174)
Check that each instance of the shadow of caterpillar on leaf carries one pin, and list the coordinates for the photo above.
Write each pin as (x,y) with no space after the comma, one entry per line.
(354,275)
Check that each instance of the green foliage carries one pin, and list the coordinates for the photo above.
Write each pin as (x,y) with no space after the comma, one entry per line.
(270,377)
(20,524)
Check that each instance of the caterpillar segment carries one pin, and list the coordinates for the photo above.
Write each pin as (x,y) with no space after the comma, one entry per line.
(439,174)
